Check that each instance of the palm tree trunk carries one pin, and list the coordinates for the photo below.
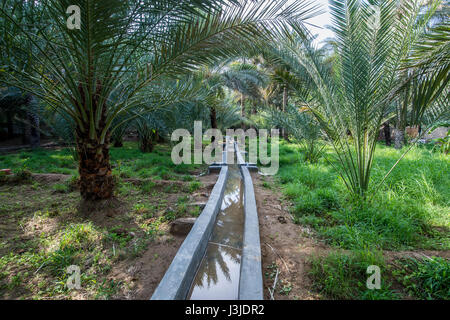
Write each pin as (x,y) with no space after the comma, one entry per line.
(33,135)
(26,138)
(213,116)
(118,143)
(242,110)
(146,144)
(387,133)
(96,180)
(399,134)
(285,101)
(399,138)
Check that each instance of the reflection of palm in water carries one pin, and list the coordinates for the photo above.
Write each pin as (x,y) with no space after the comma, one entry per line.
(230,220)
(216,257)
(225,247)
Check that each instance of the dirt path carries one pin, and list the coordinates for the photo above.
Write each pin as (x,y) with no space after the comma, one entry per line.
(285,244)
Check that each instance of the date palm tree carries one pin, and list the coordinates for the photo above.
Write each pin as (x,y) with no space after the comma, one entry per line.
(122,48)
(353,100)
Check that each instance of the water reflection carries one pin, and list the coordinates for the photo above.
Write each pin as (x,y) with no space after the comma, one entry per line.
(218,274)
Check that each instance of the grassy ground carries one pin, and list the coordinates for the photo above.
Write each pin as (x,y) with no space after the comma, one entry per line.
(411,212)
(44,228)
(127,162)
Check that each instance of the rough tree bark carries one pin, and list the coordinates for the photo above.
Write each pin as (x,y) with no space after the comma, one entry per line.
(387,133)
(399,138)
(32,133)
(213,116)
(242,111)
(146,144)
(96,180)
(285,101)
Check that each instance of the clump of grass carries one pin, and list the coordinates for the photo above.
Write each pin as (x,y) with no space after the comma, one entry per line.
(171,188)
(118,235)
(42,161)
(147,187)
(22,174)
(61,188)
(80,236)
(108,288)
(425,279)
(182,168)
(316,202)
(194,185)
(266,185)
(59,260)
(344,276)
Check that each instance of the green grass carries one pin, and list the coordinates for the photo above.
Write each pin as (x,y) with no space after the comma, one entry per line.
(426,279)
(127,162)
(343,276)
(412,209)
(41,161)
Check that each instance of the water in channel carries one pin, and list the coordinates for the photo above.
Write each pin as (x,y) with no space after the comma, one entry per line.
(217,277)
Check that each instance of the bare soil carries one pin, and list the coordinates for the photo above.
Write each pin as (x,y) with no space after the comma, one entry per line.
(284,245)
(144,274)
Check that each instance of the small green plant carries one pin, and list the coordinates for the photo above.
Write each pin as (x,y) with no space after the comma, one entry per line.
(271,270)
(194,185)
(148,186)
(444,143)
(140,208)
(343,276)
(118,235)
(426,279)
(60,188)
(79,236)
(60,259)
(108,288)
(23,174)
(195,212)
(170,215)
(286,288)
(266,185)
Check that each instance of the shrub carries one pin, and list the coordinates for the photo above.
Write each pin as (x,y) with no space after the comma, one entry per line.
(23,174)
(426,279)
(344,276)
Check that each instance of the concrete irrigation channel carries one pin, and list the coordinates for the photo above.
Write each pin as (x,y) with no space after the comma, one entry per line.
(220,259)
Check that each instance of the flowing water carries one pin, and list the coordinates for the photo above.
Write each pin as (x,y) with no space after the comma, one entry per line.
(217,277)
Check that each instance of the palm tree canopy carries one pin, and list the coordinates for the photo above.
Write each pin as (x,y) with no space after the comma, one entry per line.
(125,46)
